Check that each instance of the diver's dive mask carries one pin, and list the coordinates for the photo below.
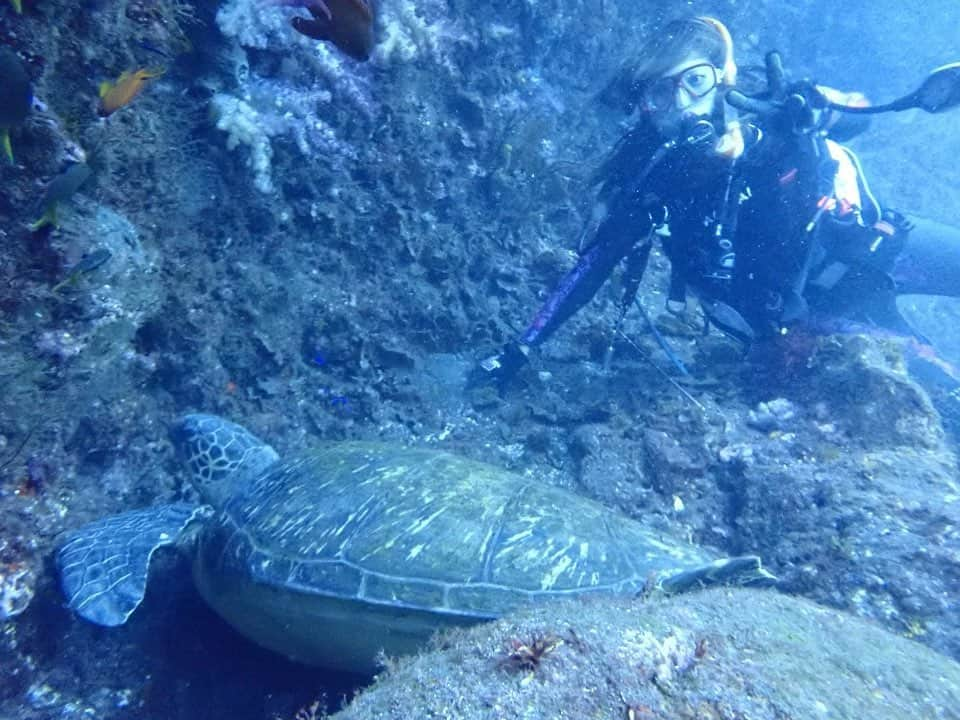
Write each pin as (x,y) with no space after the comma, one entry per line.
(660,95)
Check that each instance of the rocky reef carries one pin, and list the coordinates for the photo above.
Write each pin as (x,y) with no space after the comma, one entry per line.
(720,655)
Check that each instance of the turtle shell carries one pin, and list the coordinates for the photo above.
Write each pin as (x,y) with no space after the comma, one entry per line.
(357,547)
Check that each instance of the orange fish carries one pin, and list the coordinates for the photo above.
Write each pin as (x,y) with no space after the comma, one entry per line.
(348,24)
(114,95)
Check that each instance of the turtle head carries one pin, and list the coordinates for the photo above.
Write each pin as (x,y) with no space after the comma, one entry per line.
(222,456)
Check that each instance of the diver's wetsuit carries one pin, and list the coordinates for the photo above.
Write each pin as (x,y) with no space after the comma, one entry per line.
(783,271)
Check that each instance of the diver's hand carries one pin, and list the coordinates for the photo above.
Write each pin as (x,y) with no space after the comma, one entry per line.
(805,108)
(501,368)
(798,106)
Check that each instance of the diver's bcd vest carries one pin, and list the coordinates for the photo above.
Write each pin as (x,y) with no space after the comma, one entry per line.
(857,230)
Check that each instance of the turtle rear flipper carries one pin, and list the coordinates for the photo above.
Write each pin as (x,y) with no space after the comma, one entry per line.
(104,565)
(745,570)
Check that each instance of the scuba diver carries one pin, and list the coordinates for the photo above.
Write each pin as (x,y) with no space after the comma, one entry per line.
(766,219)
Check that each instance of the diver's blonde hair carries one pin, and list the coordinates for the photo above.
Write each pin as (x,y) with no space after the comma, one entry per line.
(701,35)
(729,66)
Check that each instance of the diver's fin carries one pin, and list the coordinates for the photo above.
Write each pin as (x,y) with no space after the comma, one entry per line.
(728,321)
(746,570)
(104,565)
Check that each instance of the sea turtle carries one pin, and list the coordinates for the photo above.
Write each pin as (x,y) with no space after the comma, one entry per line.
(353,547)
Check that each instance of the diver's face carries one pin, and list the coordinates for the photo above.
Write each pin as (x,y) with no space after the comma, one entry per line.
(689,89)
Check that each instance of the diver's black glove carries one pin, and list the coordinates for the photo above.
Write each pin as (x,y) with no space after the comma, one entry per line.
(799,106)
(804,107)
(501,368)
(898,222)
(875,246)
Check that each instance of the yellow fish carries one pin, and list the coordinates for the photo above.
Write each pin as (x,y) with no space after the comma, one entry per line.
(17,6)
(114,95)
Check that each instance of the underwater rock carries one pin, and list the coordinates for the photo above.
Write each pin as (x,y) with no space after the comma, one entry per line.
(870,532)
(868,383)
(117,295)
(611,469)
(863,382)
(715,654)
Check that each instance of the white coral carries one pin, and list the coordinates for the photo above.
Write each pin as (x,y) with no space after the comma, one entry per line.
(255,23)
(410,30)
(16,589)
(662,660)
(241,123)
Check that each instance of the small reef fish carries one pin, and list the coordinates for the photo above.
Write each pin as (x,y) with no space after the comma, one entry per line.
(61,188)
(87,264)
(348,24)
(114,95)
(17,6)
(16,97)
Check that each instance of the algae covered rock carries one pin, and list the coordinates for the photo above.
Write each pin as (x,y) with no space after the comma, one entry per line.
(724,653)
(873,533)
(112,296)
(861,380)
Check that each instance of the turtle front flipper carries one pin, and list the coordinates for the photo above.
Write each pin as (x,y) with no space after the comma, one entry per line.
(104,565)
(746,570)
